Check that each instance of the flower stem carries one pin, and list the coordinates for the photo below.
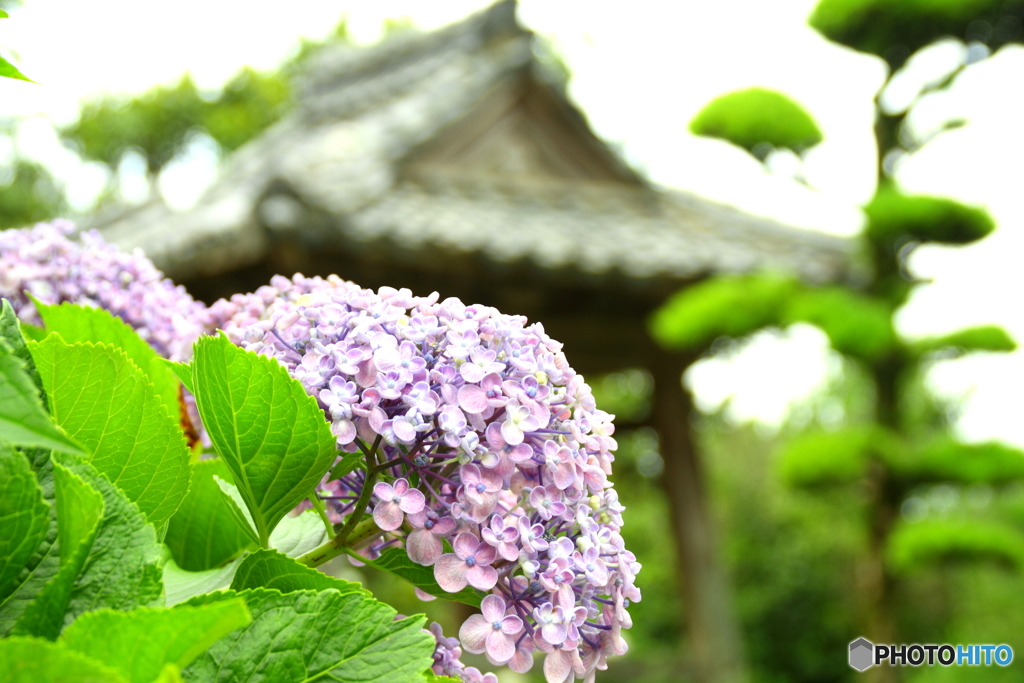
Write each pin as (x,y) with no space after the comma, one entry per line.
(318,505)
(362,532)
(336,545)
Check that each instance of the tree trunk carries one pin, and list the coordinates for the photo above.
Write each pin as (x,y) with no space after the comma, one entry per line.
(712,632)
(878,584)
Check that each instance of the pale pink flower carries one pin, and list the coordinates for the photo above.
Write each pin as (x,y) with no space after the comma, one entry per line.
(561,666)
(471,563)
(424,544)
(522,660)
(503,537)
(491,632)
(518,421)
(395,501)
(550,623)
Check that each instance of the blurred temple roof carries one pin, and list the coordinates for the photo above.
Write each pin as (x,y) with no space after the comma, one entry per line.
(452,160)
(452,139)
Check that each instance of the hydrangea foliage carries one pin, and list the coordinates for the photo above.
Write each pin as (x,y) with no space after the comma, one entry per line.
(484,454)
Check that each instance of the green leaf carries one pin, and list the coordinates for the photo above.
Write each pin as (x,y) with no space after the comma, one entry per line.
(76,323)
(103,401)
(3,14)
(123,568)
(8,70)
(30,660)
(80,509)
(296,536)
(272,435)
(431,677)
(139,643)
(34,333)
(23,421)
(44,565)
(24,518)
(721,307)
(125,563)
(357,640)
(11,332)
(757,120)
(204,534)
(169,674)
(181,585)
(183,371)
(232,499)
(348,463)
(397,562)
(273,570)
(293,537)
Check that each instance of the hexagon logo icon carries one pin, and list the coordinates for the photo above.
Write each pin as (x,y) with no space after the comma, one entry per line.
(861,654)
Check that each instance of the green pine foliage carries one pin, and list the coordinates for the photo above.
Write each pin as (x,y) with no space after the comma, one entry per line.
(721,307)
(947,460)
(895,218)
(914,546)
(875,26)
(821,458)
(890,457)
(755,117)
(981,338)
(857,325)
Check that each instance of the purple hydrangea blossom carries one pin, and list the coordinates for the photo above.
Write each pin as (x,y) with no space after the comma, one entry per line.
(394,502)
(469,564)
(491,631)
(53,268)
(446,659)
(509,450)
(424,544)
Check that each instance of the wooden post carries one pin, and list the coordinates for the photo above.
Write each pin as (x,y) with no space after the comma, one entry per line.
(713,634)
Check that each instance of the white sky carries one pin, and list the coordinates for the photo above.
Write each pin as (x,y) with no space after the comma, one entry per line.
(640,75)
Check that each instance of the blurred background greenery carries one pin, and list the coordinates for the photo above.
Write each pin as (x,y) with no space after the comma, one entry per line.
(862,513)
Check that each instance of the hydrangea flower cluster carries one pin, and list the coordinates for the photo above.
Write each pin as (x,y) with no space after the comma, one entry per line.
(494,460)
(53,268)
(447,663)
